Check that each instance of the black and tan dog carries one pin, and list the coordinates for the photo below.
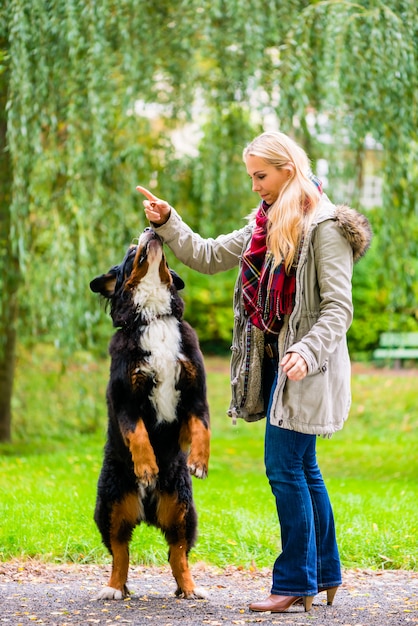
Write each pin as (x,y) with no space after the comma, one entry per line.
(158,426)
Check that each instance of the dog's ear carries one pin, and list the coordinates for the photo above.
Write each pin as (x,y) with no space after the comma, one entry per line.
(105,284)
(177,281)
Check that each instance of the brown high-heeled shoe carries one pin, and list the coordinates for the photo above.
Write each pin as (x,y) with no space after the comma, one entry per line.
(331,591)
(280,604)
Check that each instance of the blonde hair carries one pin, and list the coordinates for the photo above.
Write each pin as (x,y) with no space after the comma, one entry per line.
(290,216)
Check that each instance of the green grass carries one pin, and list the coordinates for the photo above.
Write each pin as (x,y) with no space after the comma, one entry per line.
(48,474)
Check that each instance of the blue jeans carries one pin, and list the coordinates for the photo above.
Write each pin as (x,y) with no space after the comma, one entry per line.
(309,557)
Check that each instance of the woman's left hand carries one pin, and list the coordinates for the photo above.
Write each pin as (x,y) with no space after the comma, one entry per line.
(294,366)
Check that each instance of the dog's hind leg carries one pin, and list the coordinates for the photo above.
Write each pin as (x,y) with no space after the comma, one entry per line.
(124,516)
(178,522)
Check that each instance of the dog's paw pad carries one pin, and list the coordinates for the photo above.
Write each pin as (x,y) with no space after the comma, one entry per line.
(109,593)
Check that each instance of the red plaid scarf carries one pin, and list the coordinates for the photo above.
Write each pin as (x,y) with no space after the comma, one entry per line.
(268,294)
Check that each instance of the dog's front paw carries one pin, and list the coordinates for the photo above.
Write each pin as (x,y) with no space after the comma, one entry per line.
(147,475)
(198,469)
(110,593)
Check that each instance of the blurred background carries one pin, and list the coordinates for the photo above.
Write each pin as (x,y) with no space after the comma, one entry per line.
(99,96)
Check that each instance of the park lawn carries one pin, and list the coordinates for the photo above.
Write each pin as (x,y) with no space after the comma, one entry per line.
(48,474)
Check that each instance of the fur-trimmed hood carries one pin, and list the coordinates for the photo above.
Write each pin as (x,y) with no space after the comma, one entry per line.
(355,226)
(357,229)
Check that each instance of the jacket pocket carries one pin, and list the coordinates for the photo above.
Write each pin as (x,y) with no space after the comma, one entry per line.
(307,401)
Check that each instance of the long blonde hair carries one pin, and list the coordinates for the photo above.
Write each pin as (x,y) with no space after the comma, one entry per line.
(290,216)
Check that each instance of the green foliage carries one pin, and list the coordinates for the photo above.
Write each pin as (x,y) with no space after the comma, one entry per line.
(77,148)
(375,311)
(48,474)
(220,184)
(356,64)
(93,96)
(209,306)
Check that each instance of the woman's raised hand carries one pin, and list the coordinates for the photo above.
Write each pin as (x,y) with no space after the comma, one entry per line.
(156,210)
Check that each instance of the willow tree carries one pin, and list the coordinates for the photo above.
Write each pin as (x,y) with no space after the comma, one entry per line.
(9,269)
(357,63)
(74,78)
(71,147)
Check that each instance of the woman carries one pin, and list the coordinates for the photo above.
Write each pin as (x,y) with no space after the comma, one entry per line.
(293,307)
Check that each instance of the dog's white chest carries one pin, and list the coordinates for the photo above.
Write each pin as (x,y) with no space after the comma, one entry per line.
(161,338)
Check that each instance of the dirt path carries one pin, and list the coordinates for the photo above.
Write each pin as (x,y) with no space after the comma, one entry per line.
(35,593)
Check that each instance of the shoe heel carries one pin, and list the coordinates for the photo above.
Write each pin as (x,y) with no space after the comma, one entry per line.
(307,602)
(331,595)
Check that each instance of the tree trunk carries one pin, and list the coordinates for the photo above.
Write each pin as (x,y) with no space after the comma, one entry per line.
(7,366)
(9,274)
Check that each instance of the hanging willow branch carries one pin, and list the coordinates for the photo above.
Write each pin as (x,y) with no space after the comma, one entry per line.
(356,63)
(77,150)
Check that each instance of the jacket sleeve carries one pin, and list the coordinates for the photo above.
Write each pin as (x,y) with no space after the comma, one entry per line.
(207,256)
(331,279)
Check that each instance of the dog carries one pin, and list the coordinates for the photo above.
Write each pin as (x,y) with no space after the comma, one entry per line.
(158,416)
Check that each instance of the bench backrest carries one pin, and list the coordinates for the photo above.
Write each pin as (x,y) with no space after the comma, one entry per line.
(394,340)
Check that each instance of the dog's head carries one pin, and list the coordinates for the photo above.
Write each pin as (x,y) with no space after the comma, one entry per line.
(142,287)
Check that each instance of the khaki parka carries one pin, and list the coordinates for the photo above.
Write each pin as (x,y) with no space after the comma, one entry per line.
(316,329)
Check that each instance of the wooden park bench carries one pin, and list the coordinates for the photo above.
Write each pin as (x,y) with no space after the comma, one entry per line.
(397,347)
